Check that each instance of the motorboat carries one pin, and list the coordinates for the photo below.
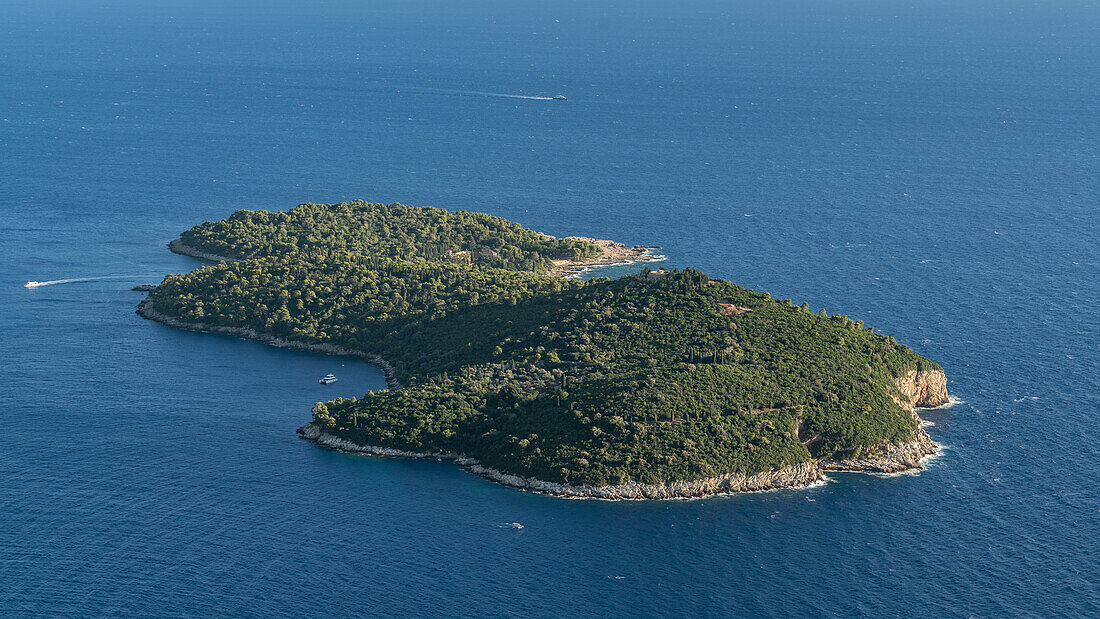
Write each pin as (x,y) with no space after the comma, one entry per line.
(32,284)
(328,379)
(560,98)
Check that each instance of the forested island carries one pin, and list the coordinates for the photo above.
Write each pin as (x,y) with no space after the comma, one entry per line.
(655,385)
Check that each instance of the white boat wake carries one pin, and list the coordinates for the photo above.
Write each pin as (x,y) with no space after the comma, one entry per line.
(478,93)
(74,280)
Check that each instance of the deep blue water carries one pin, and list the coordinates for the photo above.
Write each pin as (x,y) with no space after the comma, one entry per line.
(929,168)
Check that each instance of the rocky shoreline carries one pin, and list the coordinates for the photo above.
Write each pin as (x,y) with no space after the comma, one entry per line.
(918,389)
(892,458)
(613,252)
(796,476)
(922,389)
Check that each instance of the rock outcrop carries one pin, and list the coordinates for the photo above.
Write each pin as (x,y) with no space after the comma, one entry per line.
(918,389)
(611,252)
(922,389)
(890,458)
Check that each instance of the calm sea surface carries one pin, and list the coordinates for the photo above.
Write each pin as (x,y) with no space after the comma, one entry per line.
(929,168)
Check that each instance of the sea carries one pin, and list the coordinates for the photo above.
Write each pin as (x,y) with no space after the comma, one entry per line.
(928,167)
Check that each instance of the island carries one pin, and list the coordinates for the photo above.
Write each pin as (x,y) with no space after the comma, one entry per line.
(661,384)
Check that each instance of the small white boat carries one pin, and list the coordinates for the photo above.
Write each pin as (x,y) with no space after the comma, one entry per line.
(328,379)
(513,525)
(32,284)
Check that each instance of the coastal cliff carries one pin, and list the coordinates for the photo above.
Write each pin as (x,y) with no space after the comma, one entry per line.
(922,389)
(796,476)
(918,389)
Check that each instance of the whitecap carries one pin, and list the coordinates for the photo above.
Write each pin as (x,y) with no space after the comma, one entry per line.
(925,463)
(951,401)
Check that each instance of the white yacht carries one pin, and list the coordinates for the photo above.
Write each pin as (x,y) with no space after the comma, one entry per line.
(32,284)
(328,379)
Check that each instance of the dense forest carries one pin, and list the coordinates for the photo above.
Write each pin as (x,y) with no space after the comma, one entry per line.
(642,378)
(379,230)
